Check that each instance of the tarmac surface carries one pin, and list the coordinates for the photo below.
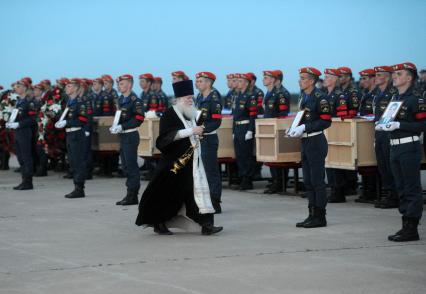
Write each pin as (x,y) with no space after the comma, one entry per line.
(49,244)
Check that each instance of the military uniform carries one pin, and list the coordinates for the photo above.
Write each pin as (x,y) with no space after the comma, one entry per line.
(388,196)
(88,99)
(316,119)
(258,93)
(276,104)
(103,104)
(244,113)
(132,116)
(406,156)
(77,120)
(229,99)
(211,119)
(366,105)
(345,181)
(314,146)
(24,140)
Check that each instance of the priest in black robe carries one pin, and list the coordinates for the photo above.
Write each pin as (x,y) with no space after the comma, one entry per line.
(179,187)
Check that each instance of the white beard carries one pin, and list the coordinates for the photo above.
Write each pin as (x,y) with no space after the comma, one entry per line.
(189,111)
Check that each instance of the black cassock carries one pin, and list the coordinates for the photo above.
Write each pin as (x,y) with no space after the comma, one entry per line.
(167,192)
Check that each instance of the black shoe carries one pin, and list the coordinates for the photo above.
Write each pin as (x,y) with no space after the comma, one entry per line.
(308,219)
(77,193)
(18,170)
(210,230)
(408,232)
(161,229)
(27,184)
(337,196)
(130,199)
(318,220)
(217,207)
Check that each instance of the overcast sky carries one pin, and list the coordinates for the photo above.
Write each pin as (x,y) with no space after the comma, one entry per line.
(50,39)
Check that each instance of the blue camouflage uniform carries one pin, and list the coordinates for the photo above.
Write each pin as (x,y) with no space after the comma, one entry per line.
(132,116)
(211,119)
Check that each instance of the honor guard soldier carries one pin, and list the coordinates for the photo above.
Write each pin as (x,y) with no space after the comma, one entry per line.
(388,196)
(257,92)
(162,97)
(209,103)
(132,116)
(24,125)
(150,99)
(75,123)
(317,118)
(110,92)
(276,104)
(366,81)
(368,91)
(86,95)
(338,108)
(406,151)
(244,114)
(103,104)
(41,159)
(232,94)
(348,178)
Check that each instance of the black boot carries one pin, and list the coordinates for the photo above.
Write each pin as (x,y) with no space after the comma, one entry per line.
(391,201)
(337,195)
(131,198)
(27,184)
(5,161)
(161,229)
(246,184)
(308,219)
(408,232)
(77,193)
(318,220)
(210,229)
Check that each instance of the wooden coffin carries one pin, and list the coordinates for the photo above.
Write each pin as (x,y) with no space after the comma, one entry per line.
(148,133)
(271,143)
(102,139)
(350,144)
(226,143)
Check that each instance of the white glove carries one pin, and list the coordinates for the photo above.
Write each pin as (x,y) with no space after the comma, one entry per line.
(379,127)
(392,126)
(297,131)
(60,124)
(13,125)
(116,130)
(287,132)
(87,134)
(249,135)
